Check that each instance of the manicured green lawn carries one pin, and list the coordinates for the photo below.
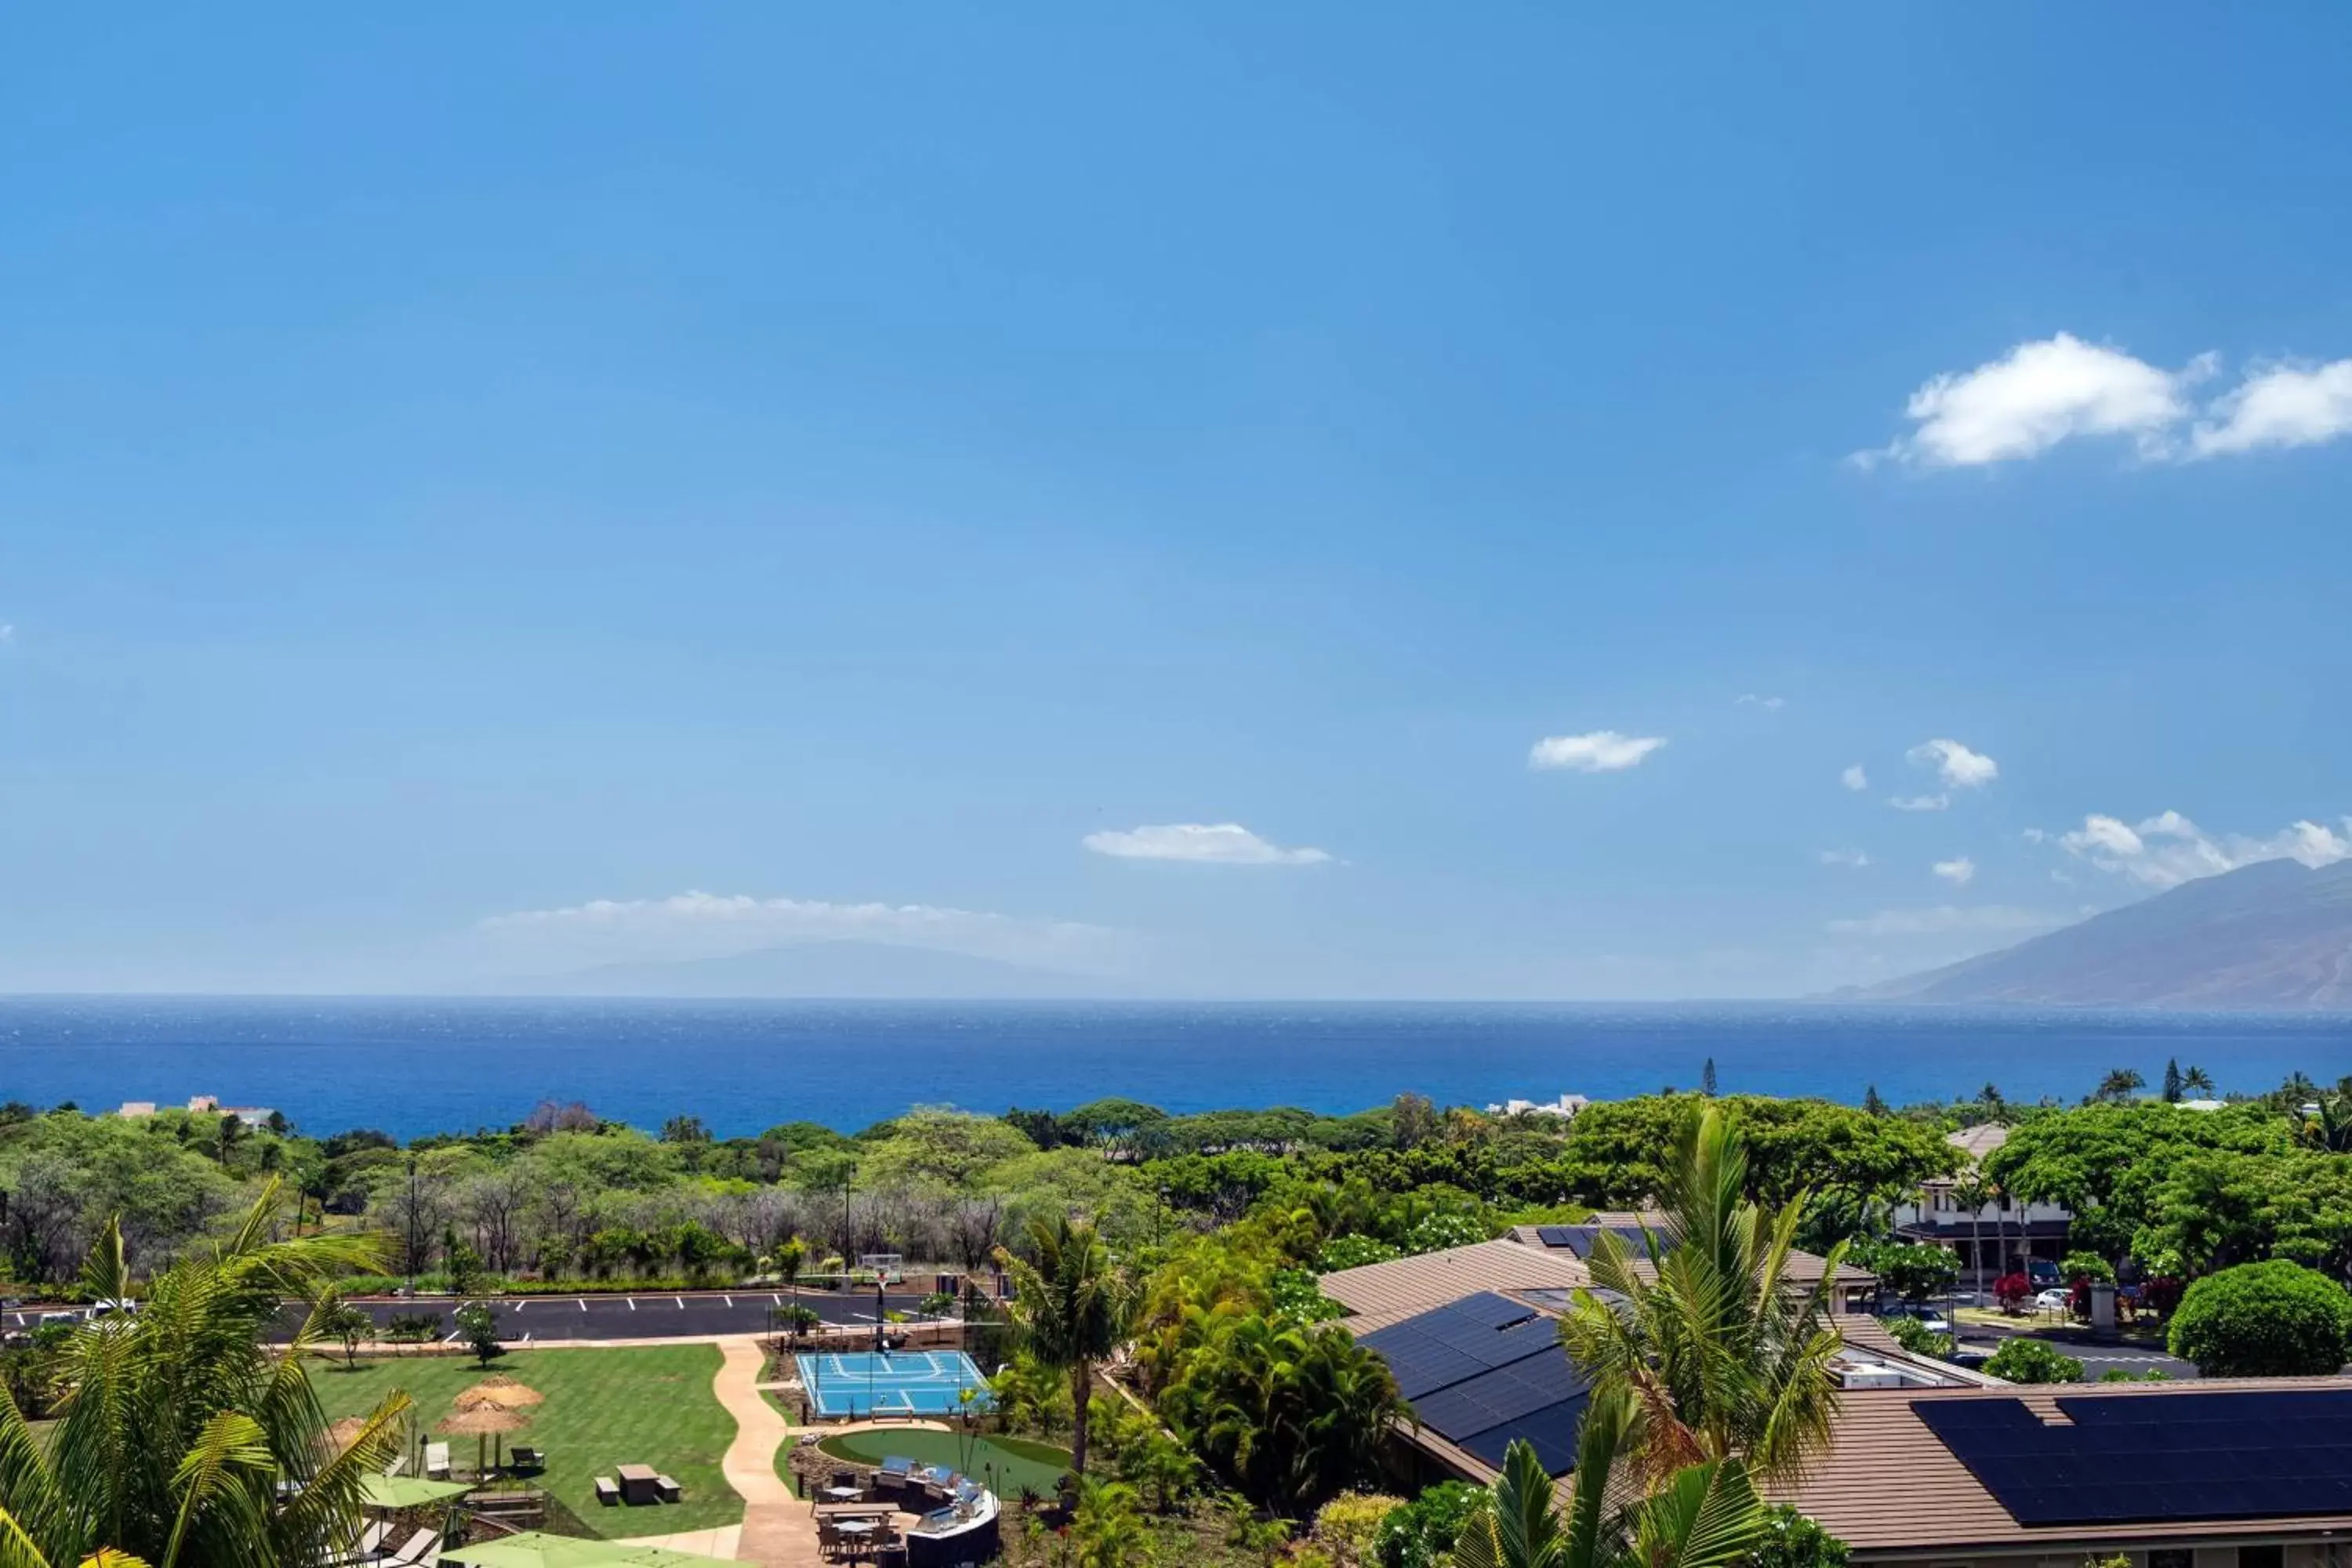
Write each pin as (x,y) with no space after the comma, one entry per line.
(603,1408)
(1017,1461)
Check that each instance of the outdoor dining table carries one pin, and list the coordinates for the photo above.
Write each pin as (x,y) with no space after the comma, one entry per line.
(639,1483)
(845,1494)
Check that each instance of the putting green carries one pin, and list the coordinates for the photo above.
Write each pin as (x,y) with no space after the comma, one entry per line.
(1005,1463)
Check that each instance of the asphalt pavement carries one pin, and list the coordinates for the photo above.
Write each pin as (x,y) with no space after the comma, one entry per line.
(523,1320)
(2095,1358)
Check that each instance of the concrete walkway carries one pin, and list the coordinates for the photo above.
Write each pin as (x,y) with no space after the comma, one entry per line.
(777,1529)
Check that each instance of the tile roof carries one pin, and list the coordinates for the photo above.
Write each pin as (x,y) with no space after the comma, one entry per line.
(1377,1294)
(1889,1486)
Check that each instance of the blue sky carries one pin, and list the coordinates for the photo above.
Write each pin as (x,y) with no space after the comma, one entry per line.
(487,493)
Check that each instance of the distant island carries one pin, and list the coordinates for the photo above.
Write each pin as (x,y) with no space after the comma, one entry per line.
(2274,935)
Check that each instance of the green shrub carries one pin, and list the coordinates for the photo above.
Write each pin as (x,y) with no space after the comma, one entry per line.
(2086,1266)
(1918,1338)
(1420,1533)
(1353,1252)
(1792,1541)
(2263,1319)
(2033,1361)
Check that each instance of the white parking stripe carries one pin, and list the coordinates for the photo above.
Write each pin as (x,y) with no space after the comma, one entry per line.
(520,1305)
(584,1306)
(633,1303)
(776,1296)
(681,1302)
(728,1300)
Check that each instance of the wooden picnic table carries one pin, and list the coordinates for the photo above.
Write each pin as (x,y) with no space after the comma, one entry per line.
(639,1483)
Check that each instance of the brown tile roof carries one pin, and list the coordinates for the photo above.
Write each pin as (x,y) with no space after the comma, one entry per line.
(1888,1484)
(1383,1294)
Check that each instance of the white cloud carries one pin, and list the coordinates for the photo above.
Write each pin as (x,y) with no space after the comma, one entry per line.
(1958,767)
(1959,871)
(2053,389)
(1943,918)
(2285,406)
(707,925)
(1854,857)
(1920,802)
(1855,778)
(1769,704)
(2168,850)
(2037,395)
(1602,752)
(8,633)
(1216,844)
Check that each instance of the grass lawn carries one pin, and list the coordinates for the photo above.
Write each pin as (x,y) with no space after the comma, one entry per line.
(1018,1462)
(603,1408)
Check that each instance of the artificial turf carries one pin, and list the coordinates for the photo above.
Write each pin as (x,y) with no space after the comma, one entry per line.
(1009,1464)
(603,1408)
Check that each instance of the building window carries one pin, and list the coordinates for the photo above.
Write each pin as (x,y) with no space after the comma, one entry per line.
(2171,1557)
(2272,1556)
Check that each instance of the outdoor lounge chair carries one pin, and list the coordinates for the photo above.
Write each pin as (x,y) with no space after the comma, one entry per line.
(436,1461)
(522,1456)
(412,1552)
(399,1463)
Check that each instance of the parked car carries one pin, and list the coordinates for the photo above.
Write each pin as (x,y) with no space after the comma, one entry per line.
(2044,1272)
(2053,1300)
(109,1306)
(1931,1318)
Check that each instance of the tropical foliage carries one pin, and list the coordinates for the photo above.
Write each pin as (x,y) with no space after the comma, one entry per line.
(180,1440)
(1291,1414)
(1724,1355)
(1073,1306)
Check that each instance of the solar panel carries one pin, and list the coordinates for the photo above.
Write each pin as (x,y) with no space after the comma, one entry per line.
(1550,1431)
(1504,1394)
(2157,1457)
(1579,1238)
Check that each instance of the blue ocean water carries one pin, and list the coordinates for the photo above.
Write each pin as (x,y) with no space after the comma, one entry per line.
(409,1067)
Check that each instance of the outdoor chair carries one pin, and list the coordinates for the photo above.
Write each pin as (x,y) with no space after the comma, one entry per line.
(399,1463)
(522,1456)
(412,1552)
(436,1461)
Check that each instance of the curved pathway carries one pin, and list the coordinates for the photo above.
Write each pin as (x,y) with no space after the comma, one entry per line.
(777,1529)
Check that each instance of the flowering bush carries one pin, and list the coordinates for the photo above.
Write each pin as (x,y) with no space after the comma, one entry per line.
(2010,1290)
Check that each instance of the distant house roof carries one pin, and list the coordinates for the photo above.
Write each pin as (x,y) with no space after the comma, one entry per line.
(1377,1294)
(137,1108)
(1978,1142)
(1889,1486)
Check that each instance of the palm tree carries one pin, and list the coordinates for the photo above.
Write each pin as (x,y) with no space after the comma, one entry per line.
(1107,1528)
(1725,1356)
(1073,1305)
(2197,1081)
(182,1441)
(1703,1516)
(1971,1192)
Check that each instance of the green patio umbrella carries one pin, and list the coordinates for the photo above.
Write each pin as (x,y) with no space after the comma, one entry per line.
(397,1492)
(534,1550)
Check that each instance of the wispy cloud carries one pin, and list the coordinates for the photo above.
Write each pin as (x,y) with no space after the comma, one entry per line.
(1210,843)
(2061,388)
(1943,919)
(707,925)
(2168,850)
(1853,778)
(1959,871)
(1853,858)
(1957,766)
(2284,406)
(1769,704)
(1920,802)
(1601,751)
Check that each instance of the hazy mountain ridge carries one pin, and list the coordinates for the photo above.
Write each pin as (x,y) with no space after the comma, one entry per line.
(2276,934)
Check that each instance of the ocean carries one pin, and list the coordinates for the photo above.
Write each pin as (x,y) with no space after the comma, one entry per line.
(409,1067)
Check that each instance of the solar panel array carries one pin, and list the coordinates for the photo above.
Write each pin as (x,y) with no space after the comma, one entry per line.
(1579,1238)
(1484,1371)
(2128,1459)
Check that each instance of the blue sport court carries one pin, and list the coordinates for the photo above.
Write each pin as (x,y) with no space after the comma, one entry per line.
(892,1382)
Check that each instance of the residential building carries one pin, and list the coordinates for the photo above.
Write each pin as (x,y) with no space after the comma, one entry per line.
(1850,1288)
(1991,1238)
